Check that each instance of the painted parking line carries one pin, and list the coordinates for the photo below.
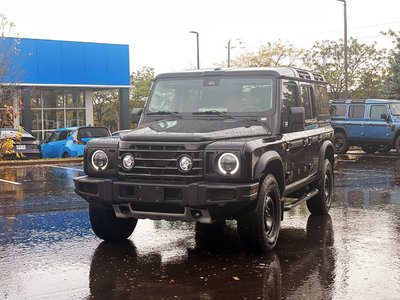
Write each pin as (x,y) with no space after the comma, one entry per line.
(7,181)
(68,168)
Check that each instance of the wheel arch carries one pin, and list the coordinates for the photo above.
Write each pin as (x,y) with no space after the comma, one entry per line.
(341,130)
(326,152)
(271,163)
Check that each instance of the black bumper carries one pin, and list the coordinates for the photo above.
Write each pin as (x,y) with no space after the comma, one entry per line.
(221,199)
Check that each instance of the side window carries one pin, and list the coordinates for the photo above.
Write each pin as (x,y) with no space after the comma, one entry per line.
(290,98)
(63,135)
(307,102)
(338,110)
(322,103)
(54,137)
(356,111)
(377,111)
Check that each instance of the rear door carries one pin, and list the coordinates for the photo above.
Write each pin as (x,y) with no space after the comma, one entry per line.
(376,127)
(355,124)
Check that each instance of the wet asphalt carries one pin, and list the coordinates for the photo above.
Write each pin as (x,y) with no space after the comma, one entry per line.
(48,250)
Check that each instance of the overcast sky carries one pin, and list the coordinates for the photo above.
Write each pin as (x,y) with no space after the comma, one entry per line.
(157,31)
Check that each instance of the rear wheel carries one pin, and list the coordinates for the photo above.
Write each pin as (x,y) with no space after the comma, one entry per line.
(108,227)
(340,143)
(321,203)
(370,149)
(66,155)
(384,148)
(259,226)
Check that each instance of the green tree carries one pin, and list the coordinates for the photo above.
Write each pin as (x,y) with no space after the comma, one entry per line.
(141,81)
(391,84)
(269,55)
(106,109)
(367,66)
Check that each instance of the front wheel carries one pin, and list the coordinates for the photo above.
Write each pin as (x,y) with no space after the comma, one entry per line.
(384,148)
(259,226)
(108,227)
(397,144)
(321,202)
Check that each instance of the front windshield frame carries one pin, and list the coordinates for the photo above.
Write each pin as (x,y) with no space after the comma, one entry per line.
(227,86)
(395,108)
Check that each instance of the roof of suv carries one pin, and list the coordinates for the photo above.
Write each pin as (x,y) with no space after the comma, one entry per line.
(362,101)
(277,71)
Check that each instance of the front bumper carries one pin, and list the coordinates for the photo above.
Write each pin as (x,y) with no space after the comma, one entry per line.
(167,200)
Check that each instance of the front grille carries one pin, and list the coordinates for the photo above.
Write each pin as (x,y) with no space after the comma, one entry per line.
(159,162)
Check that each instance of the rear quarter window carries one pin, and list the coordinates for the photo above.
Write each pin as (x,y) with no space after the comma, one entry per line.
(338,110)
(93,132)
(356,111)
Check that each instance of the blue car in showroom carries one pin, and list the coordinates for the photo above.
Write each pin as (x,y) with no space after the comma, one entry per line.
(71,141)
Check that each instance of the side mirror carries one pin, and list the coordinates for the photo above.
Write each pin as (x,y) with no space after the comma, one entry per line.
(385,117)
(297,118)
(136,114)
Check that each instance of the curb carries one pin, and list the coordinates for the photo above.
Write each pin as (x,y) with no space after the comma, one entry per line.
(41,162)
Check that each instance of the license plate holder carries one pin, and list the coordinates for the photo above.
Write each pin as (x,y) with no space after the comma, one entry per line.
(20,147)
(149,194)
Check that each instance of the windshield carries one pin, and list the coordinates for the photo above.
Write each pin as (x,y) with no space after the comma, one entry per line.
(213,94)
(395,108)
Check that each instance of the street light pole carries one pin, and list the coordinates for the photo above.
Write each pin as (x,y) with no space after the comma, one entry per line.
(346,80)
(229,53)
(198,48)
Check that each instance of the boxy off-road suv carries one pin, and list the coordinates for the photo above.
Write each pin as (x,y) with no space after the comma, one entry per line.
(372,124)
(212,145)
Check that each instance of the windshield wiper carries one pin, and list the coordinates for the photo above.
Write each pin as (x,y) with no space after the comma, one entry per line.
(165,112)
(214,112)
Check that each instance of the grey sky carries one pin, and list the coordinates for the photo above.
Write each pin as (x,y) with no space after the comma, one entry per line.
(158,31)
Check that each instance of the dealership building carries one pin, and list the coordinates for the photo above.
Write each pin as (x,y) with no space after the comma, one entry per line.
(56,79)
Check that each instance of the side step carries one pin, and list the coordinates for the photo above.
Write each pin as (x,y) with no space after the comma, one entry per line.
(303,198)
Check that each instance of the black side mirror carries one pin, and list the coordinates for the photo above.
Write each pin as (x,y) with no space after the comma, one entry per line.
(385,117)
(297,118)
(136,114)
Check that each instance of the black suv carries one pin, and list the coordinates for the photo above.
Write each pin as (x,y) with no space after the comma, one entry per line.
(212,145)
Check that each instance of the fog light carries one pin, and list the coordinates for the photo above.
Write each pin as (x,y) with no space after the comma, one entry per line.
(128,162)
(185,163)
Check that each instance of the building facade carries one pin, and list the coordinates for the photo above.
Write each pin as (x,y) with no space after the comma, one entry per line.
(56,79)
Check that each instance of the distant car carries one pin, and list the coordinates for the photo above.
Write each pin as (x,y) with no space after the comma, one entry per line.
(372,124)
(120,132)
(26,145)
(71,141)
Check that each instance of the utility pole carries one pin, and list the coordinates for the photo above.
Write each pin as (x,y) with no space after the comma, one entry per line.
(346,79)
(198,48)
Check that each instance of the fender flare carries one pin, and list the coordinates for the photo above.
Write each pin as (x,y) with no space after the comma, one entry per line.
(261,166)
(341,128)
(326,151)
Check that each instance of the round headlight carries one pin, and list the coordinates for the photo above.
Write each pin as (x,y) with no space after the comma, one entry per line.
(228,163)
(128,162)
(185,163)
(99,160)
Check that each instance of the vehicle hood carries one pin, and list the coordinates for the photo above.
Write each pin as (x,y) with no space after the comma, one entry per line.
(196,130)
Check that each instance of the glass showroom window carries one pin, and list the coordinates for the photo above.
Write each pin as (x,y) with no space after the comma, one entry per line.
(37,114)
(74,107)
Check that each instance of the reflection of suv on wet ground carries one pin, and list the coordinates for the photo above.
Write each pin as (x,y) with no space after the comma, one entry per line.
(372,124)
(213,145)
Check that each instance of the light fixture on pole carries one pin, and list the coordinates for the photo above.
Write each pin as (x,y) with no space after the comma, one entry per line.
(198,54)
(346,80)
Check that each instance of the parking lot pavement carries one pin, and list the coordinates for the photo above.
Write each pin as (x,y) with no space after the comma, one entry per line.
(48,251)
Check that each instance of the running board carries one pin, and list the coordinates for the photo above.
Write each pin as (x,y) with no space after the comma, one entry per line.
(300,200)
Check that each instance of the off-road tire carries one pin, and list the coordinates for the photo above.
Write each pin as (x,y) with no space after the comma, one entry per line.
(108,227)
(397,144)
(321,203)
(259,226)
(340,143)
(370,149)
(384,148)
